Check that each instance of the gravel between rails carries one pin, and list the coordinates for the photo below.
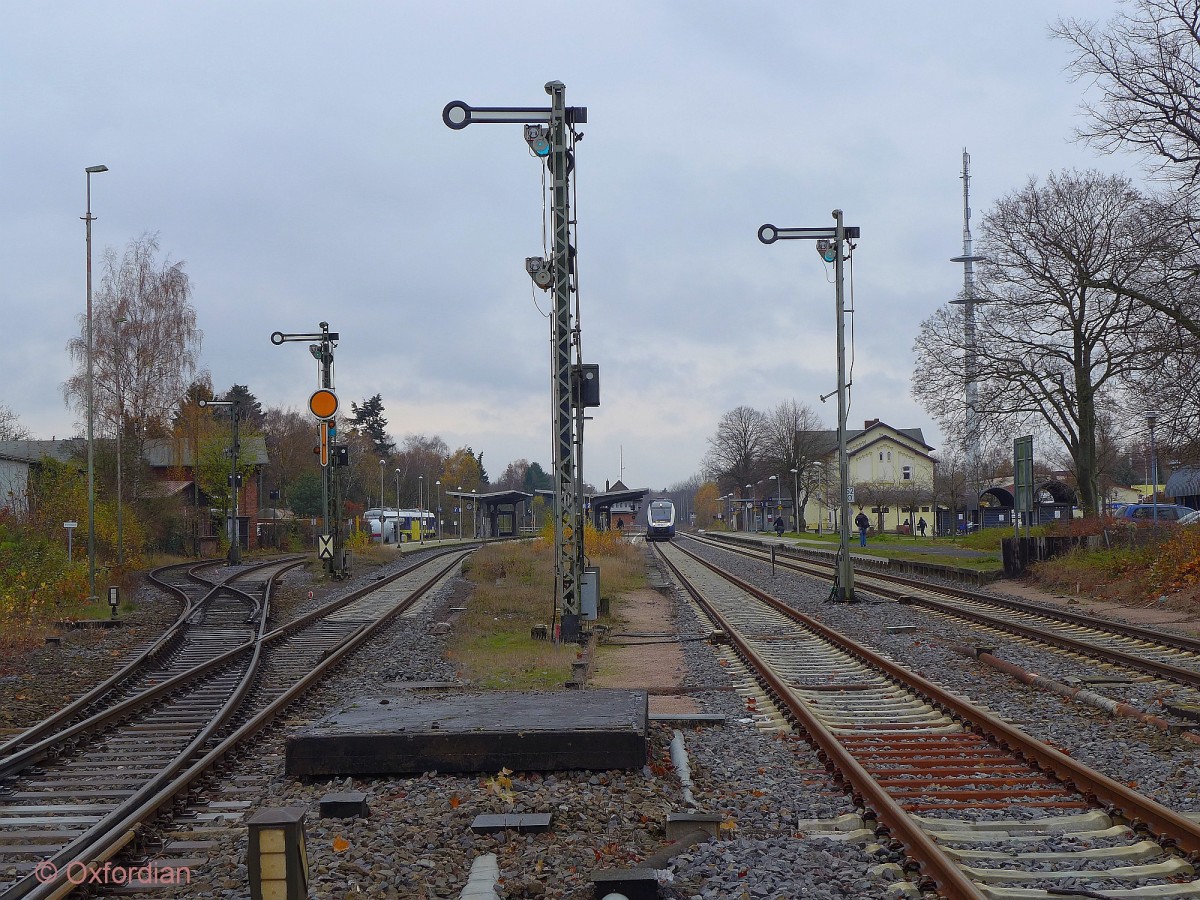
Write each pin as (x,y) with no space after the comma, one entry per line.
(417,841)
(1159,765)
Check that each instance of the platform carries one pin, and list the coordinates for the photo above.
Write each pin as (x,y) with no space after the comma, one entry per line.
(407,734)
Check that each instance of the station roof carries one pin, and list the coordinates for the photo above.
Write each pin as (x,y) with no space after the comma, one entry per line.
(608,498)
(1184,482)
(492,497)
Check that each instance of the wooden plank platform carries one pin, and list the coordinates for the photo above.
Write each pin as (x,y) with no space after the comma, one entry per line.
(476,732)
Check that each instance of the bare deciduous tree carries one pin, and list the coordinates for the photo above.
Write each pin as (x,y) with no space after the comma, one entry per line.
(1050,347)
(1146,63)
(145,346)
(795,441)
(11,428)
(735,453)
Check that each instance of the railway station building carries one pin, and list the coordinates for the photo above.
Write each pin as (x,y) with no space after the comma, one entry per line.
(891,471)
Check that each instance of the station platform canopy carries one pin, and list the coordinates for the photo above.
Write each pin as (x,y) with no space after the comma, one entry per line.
(618,500)
(494,514)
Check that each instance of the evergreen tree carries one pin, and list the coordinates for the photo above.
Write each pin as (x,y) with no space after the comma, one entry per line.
(368,419)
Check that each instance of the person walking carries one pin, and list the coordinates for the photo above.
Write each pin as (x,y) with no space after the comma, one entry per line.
(921,526)
(779,526)
(862,523)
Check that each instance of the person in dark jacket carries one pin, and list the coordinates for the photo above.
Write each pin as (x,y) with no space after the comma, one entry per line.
(921,526)
(862,523)
(779,525)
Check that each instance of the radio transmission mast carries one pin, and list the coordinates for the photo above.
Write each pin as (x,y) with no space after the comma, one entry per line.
(968,301)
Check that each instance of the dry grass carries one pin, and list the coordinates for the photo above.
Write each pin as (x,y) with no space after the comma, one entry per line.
(1165,572)
(514,590)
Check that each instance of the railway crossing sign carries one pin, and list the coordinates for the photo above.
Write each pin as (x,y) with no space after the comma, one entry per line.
(325,547)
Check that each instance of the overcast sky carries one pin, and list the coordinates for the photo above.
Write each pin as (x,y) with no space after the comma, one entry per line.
(294,156)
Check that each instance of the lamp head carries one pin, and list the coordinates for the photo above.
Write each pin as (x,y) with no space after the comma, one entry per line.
(538,139)
(92,170)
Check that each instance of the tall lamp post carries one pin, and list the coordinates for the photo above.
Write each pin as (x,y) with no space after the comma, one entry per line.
(437,522)
(778,498)
(749,505)
(382,504)
(474,513)
(462,511)
(796,499)
(235,479)
(91,458)
(397,506)
(421,504)
(120,362)
(1151,419)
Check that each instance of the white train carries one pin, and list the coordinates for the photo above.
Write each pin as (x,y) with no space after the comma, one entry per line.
(400,525)
(660,520)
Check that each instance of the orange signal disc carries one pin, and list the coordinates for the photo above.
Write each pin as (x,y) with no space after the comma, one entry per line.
(323,403)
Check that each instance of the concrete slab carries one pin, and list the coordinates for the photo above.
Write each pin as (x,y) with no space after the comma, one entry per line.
(476,732)
(523,823)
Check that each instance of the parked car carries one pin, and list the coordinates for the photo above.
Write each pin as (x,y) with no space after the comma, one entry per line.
(1145,512)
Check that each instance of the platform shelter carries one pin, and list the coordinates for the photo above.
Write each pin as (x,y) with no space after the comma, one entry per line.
(492,514)
(619,504)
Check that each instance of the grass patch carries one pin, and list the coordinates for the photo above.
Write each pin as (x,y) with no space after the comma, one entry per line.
(513,591)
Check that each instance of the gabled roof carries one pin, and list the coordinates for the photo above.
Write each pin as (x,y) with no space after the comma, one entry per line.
(827,440)
(168,453)
(35,451)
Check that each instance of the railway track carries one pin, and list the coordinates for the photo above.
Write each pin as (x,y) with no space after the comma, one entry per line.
(204,600)
(1173,660)
(979,808)
(75,798)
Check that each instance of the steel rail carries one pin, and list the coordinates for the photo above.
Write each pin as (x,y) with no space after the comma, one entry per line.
(120,826)
(85,841)
(1164,670)
(1166,638)
(14,763)
(1168,825)
(164,643)
(949,878)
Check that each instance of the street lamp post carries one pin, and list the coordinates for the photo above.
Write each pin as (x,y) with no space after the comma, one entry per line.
(382,504)
(796,499)
(120,361)
(437,522)
(421,504)
(474,513)
(235,538)
(397,507)
(749,506)
(1151,419)
(91,458)
(462,511)
(778,498)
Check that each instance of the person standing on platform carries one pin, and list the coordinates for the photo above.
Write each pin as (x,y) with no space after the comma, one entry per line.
(862,523)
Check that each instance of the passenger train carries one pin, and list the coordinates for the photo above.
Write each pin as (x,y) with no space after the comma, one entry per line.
(399,525)
(660,520)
